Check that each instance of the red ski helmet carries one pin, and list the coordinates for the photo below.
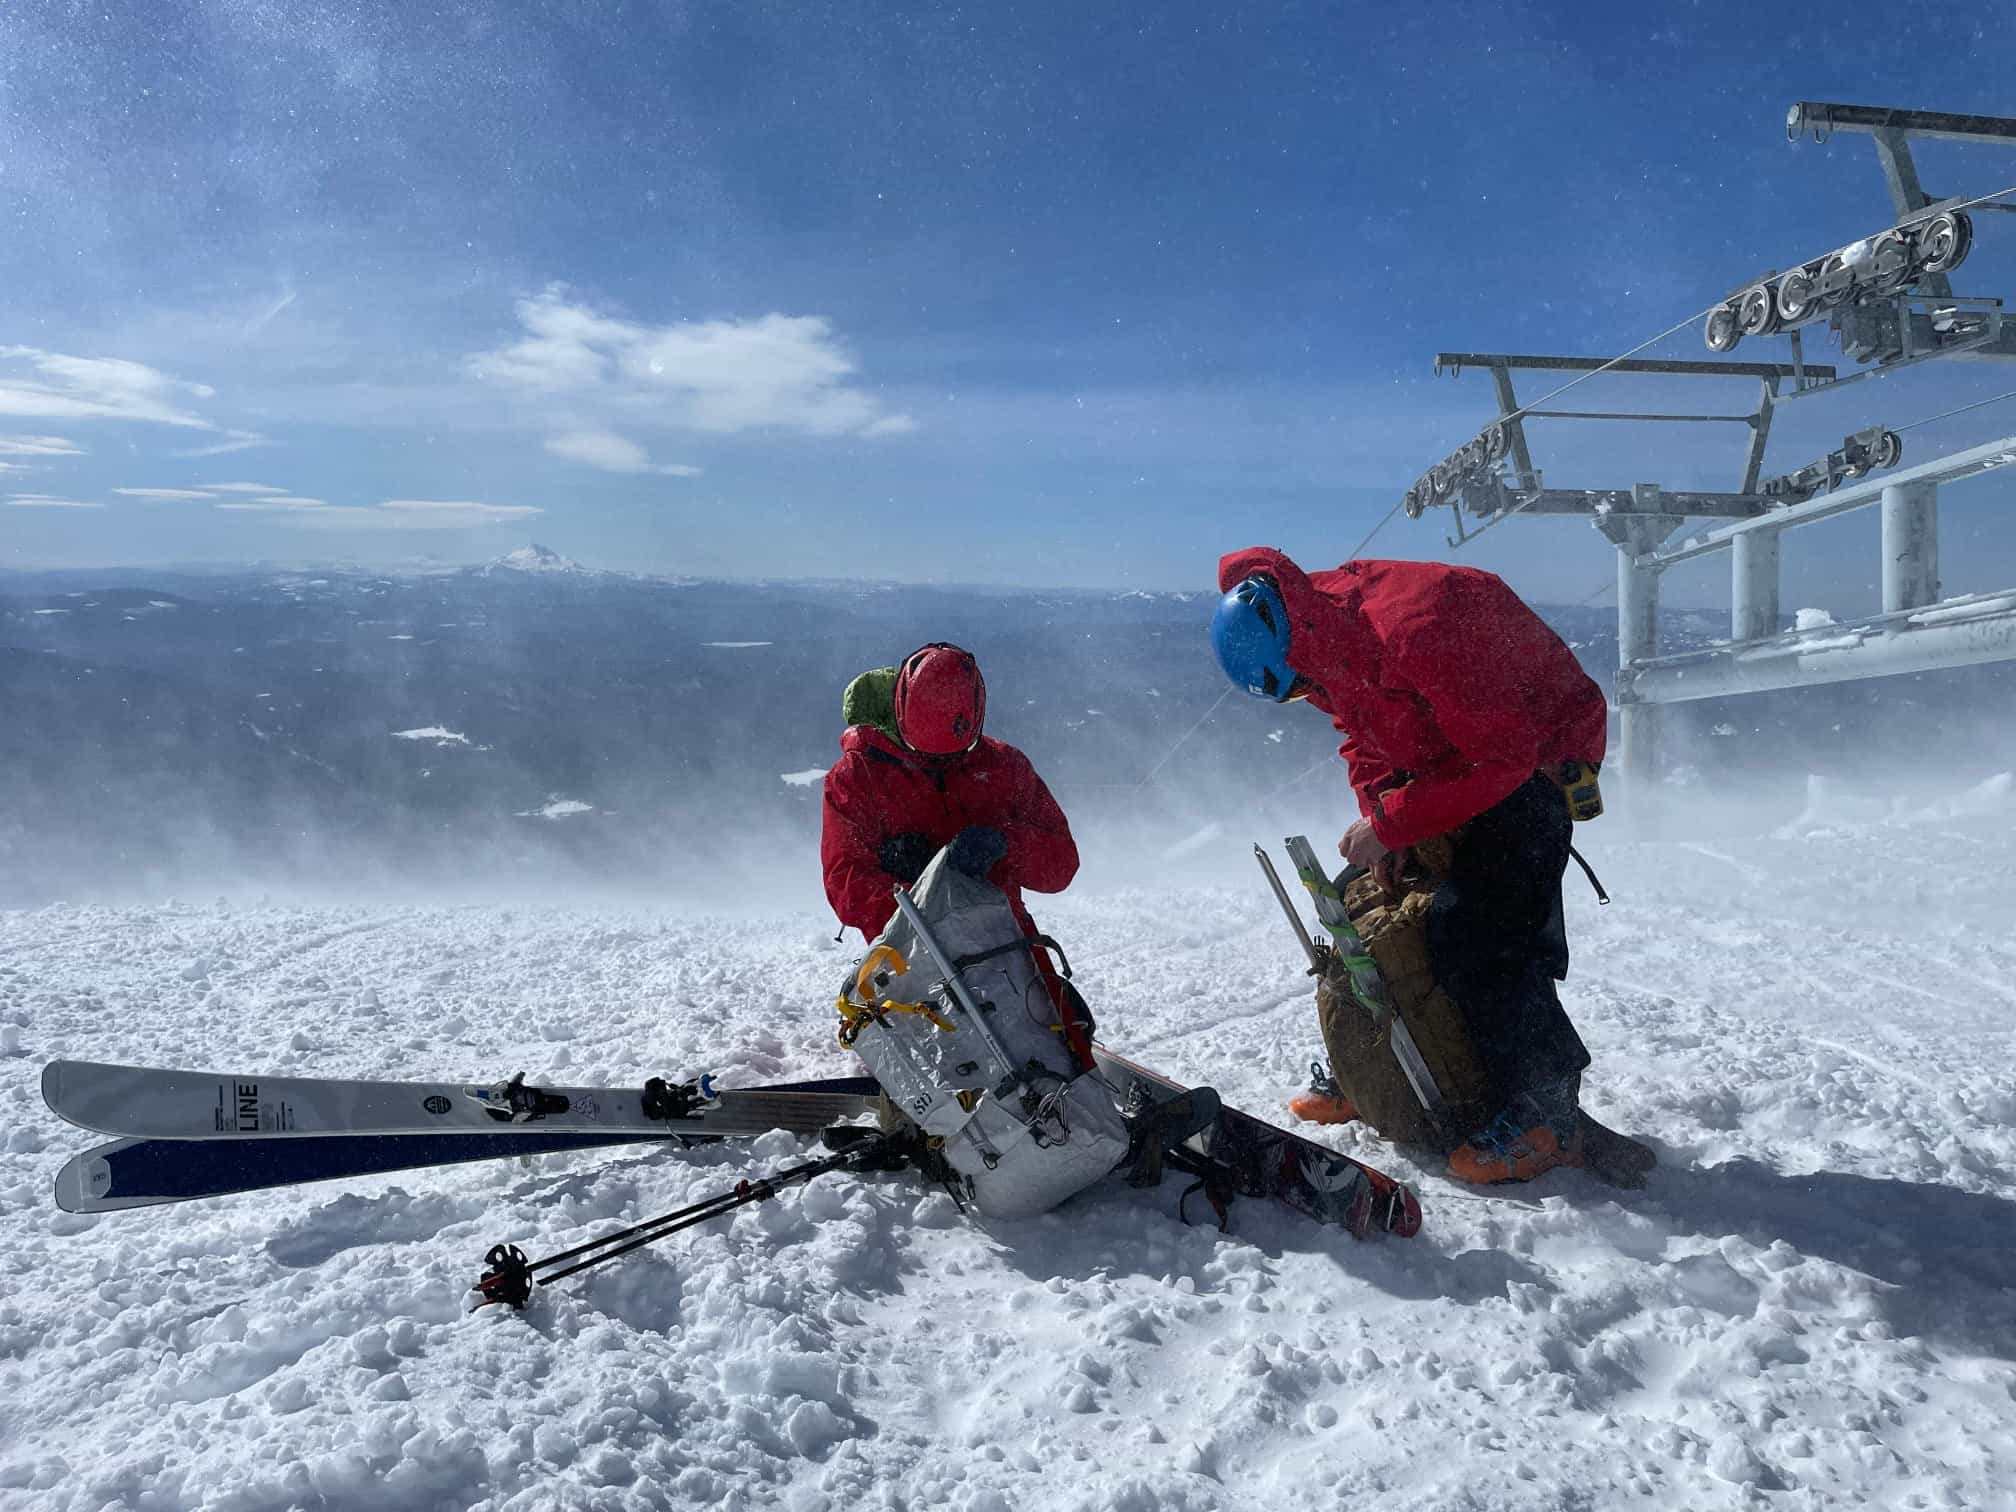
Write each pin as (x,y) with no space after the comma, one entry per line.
(941,700)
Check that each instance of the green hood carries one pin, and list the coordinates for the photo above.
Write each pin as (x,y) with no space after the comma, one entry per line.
(871,700)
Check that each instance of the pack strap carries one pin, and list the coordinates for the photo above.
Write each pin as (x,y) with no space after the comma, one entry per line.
(1602,897)
(1215,1181)
(856,1016)
(1026,942)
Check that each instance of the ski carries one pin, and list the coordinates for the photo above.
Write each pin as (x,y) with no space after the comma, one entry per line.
(133,1173)
(1238,1154)
(142,1102)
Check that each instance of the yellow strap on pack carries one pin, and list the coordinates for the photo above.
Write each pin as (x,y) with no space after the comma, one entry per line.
(862,1007)
(853,1015)
(873,962)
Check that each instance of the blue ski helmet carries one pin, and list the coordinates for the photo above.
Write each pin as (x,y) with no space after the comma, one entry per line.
(1250,634)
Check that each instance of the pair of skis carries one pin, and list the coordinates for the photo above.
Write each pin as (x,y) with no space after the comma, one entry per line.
(190,1134)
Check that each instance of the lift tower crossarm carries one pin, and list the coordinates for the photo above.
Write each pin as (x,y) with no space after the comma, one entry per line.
(1823,118)
(1860,495)
(1459,360)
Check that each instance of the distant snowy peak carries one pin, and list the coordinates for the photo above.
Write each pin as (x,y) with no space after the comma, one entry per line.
(536,558)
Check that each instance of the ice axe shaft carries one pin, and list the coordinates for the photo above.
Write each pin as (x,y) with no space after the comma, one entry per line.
(1309,947)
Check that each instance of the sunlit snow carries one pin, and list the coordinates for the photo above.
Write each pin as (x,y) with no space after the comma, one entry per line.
(1810,1304)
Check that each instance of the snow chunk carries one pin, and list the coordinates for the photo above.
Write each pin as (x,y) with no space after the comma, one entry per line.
(1812,619)
(810,777)
(440,735)
(1948,614)
(557,808)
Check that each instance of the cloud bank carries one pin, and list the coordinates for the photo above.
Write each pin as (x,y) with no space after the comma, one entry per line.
(613,453)
(774,372)
(53,386)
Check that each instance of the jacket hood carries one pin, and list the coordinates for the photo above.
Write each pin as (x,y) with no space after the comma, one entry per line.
(868,737)
(1328,637)
(874,740)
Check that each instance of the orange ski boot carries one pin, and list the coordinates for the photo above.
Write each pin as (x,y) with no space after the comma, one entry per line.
(1512,1148)
(1324,1102)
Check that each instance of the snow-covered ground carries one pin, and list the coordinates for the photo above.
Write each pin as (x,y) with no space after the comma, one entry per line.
(1814,1304)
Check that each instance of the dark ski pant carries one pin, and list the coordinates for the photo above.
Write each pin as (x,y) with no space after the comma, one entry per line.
(1498,944)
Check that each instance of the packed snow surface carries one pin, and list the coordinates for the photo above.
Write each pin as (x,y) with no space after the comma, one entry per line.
(1812,1306)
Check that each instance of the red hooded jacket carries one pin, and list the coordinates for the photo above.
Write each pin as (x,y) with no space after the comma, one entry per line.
(878,789)
(1449,691)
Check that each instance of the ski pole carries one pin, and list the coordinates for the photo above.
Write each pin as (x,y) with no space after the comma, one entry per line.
(511,1276)
(1287,907)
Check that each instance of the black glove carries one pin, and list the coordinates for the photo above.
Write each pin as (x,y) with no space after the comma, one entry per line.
(905,855)
(976,850)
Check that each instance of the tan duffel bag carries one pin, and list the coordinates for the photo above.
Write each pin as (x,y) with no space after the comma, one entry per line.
(1395,932)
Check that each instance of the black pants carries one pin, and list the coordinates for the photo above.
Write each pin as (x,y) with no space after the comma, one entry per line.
(1498,944)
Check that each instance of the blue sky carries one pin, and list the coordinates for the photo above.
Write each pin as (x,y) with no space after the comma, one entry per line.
(1034,293)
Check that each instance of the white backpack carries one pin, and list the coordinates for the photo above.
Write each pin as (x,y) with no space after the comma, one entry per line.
(951,1015)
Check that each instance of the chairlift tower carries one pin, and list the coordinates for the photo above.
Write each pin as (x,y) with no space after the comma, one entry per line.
(1890,302)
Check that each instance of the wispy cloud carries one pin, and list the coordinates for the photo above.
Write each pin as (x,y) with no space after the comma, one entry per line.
(39,446)
(46,501)
(164,494)
(785,372)
(244,488)
(266,314)
(234,441)
(53,386)
(274,505)
(614,453)
(392,514)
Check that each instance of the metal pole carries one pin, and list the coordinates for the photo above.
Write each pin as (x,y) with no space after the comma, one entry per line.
(956,985)
(1835,654)
(1760,435)
(1753,587)
(1910,546)
(1637,640)
(1288,907)
(1508,404)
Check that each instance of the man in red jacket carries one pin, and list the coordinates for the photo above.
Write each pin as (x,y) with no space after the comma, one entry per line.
(1459,710)
(893,801)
